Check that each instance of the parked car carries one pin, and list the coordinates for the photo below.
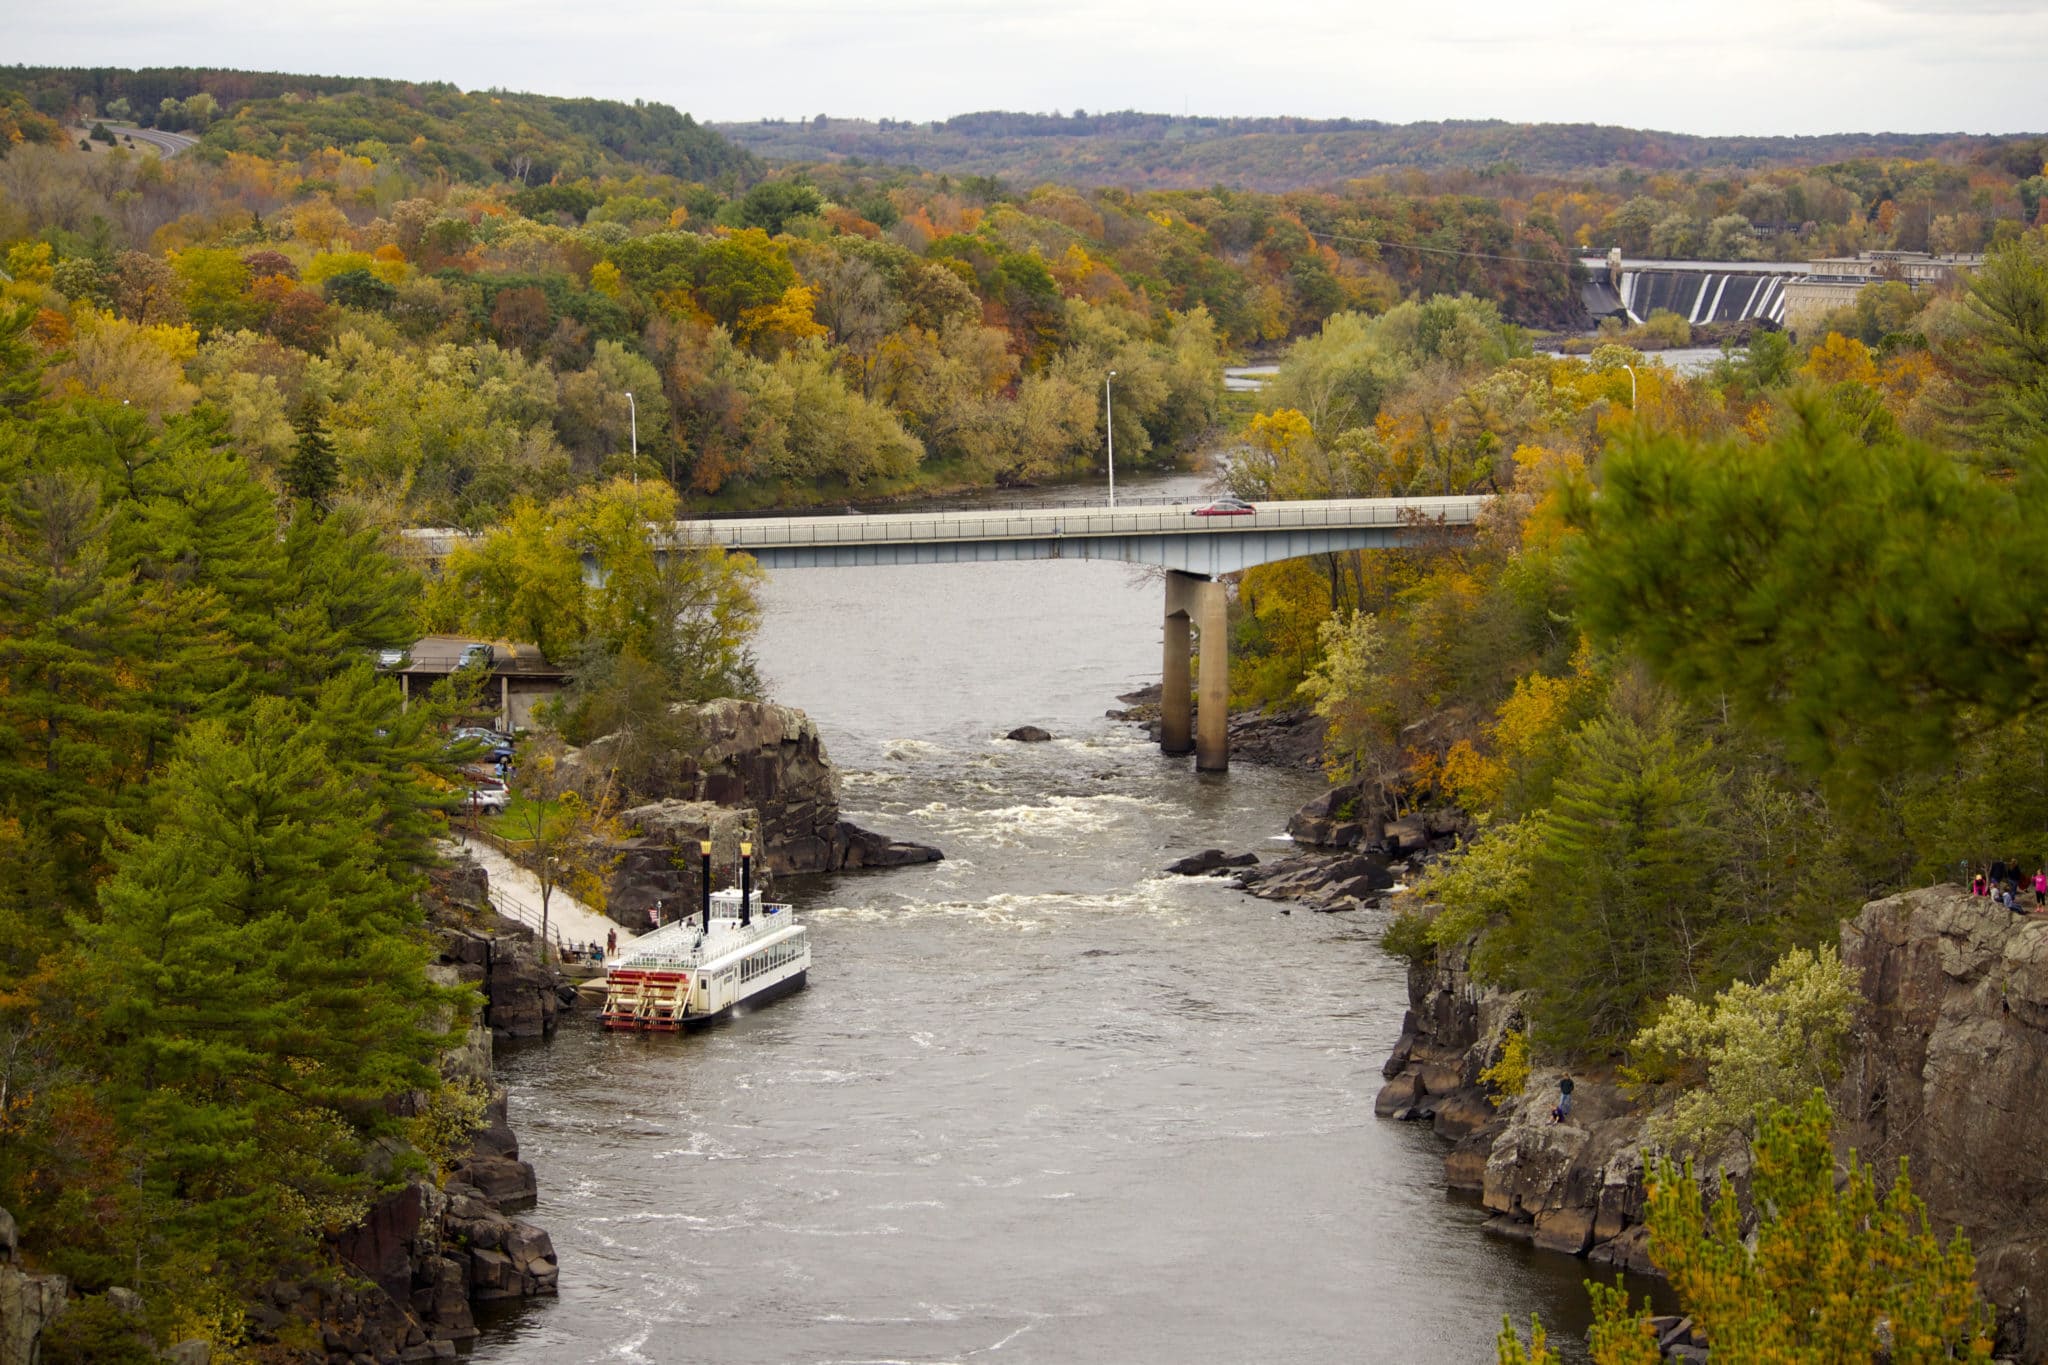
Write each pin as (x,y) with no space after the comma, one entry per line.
(496,746)
(394,658)
(488,797)
(477,656)
(1224,507)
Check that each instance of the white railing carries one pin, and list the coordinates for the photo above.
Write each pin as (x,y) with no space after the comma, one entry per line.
(1176,519)
(1070,522)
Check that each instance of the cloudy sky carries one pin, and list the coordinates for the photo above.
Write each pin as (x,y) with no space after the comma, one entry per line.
(1701,66)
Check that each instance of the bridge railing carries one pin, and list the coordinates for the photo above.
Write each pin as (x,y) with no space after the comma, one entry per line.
(1040,524)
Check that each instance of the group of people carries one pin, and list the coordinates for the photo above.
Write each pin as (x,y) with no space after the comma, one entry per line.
(2007,883)
(589,952)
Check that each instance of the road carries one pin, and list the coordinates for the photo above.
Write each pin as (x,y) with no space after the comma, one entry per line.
(167,144)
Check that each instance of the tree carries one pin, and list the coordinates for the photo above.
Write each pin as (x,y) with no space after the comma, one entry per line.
(1831,1272)
(1996,351)
(69,740)
(1751,1050)
(770,205)
(1832,590)
(216,288)
(274,993)
(312,473)
(568,834)
(1619,908)
(688,609)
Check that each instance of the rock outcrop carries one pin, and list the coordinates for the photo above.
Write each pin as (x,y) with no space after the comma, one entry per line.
(1575,1186)
(748,756)
(1948,1067)
(1354,817)
(27,1305)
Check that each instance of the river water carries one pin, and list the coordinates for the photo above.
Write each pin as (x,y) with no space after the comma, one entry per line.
(1039,1103)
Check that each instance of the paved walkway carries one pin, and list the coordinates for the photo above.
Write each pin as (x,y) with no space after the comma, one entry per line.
(515,893)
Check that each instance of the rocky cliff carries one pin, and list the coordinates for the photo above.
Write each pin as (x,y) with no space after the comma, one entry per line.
(1948,1068)
(1574,1186)
(755,766)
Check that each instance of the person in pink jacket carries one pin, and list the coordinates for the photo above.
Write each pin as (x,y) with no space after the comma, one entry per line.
(2040,887)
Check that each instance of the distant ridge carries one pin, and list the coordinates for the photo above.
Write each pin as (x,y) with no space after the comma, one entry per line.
(1163,151)
(475,135)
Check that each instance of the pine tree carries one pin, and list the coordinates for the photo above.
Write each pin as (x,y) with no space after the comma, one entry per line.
(312,473)
(1619,902)
(71,735)
(263,993)
(343,595)
(1858,603)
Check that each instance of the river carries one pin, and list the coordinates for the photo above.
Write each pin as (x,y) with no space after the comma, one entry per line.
(1039,1102)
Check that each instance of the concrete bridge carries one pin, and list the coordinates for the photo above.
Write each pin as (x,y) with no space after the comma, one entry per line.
(1195,550)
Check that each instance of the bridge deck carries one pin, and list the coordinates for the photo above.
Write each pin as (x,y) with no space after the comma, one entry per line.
(1171,536)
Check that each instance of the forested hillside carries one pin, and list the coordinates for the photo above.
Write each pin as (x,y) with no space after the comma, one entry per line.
(1730,653)
(389,268)
(425,129)
(1160,151)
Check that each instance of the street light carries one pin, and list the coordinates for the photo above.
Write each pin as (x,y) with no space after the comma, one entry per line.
(1109,430)
(1631,385)
(633,416)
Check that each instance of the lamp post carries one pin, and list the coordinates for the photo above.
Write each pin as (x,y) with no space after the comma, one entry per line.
(1631,386)
(633,416)
(1109,431)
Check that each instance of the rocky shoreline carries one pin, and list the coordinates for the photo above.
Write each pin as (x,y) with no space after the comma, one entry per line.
(1945,1066)
(758,770)
(437,1252)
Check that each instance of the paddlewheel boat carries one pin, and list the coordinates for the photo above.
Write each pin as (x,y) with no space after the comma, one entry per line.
(737,951)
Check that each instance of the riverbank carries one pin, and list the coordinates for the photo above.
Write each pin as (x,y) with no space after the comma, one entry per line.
(1037,1093)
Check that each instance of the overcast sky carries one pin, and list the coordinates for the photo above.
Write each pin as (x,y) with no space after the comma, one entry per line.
(1698,66)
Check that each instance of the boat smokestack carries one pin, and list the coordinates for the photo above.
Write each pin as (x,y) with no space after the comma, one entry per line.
(704,879)
(746,884)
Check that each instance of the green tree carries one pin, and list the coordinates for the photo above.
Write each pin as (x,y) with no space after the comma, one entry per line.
(687,609)
(1619,910)
(1996,351)
(1752,1049)
(1835,592)
(69,737)
(312,473)
(274,994)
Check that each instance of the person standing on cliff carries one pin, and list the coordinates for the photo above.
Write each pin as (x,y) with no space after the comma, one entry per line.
(2040,887)
(1563,1108)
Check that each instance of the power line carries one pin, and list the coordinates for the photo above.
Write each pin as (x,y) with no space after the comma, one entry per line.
(1439,250)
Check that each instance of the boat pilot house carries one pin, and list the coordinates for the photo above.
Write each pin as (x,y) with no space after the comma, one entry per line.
(518,676)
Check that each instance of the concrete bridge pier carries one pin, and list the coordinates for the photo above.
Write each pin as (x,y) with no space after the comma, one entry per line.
(1204,603)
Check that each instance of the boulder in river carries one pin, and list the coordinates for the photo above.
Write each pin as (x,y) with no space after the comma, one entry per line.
(1029,734)
(1208,861)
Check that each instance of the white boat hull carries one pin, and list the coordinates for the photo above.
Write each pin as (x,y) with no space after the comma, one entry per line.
(680,977)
